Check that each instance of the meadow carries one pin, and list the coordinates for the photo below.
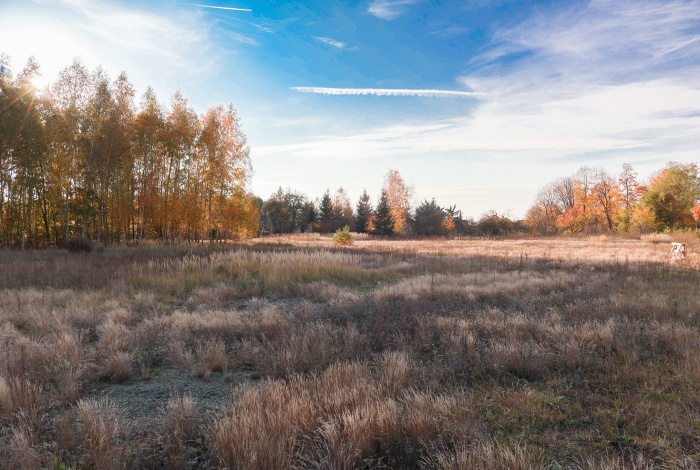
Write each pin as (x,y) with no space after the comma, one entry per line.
(289,352)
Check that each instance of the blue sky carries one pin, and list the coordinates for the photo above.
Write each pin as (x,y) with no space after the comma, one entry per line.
(476,103)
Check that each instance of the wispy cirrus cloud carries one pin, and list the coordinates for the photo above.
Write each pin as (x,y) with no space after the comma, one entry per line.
(389,9)
(608,83)
(387,92)
(218,8)
(450,31)
(608,40)
(241,38)
(331,42)
(621,70)
(596,84)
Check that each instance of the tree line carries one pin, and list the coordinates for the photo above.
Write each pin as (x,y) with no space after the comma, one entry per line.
(592,200)
(80,157)
(287,211)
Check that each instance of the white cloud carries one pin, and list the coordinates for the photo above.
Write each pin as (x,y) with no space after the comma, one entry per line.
(218,8)
(331,42)
(598,85)
(450,31)
(387,92)
(389,9)
(241,38)
(571,98)
(609,40)
(620,70)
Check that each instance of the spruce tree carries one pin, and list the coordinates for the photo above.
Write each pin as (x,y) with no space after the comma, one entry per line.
(383,219)
(326,209)
(364,212)
(313,213)
(429,217)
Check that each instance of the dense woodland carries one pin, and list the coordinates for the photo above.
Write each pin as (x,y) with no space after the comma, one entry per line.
(80,157)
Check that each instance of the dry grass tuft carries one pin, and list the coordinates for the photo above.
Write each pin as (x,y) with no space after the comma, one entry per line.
(213,354)
(22,454)
(18,394)
(100,426)
(119,366)
(181,426)
(633,461)
(486,456)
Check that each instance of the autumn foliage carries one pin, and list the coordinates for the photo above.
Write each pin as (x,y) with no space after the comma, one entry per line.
(594,201)
(82,158)
(695,211)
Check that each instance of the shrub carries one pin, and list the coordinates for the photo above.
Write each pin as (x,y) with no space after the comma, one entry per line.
(78,244)
(343,237)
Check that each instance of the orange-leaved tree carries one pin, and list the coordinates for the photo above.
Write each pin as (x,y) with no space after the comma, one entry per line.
(398,196)
(695,210)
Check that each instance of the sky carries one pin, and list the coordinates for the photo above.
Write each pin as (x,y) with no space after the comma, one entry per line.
(477,103)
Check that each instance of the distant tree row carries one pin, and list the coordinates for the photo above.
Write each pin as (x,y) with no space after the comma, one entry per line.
(288,211)
(592,201)
(79,157)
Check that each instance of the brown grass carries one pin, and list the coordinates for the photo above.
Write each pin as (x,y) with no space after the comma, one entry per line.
(338,419)
(22,454)
(522,353)
(100,426)
(181,426)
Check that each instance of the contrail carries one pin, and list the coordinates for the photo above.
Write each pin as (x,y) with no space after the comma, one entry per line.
(388,92)
(218,8)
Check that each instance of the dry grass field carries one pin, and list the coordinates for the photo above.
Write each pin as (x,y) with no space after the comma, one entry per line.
(289,352)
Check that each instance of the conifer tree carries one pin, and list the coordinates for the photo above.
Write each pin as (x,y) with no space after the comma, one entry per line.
(364,212)
(326,209)
(429,218)
(383,219)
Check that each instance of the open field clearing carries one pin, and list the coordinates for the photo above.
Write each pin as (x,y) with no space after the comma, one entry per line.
(287,352)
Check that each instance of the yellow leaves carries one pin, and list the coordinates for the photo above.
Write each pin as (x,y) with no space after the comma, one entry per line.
(398,195)
(116,172)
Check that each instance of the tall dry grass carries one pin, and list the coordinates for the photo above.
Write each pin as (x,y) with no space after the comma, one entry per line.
(412,354)
(345,417)
(100,424)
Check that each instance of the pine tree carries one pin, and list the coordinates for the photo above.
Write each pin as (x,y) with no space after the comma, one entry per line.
(383,219)
(429,218)
(312,212)
(364,212)
(326,208)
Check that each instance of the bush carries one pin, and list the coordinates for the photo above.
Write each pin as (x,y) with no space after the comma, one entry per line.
(343,237)
(78,244)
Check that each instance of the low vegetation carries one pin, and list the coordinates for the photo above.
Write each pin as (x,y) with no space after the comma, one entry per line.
(343,236)
(297,353)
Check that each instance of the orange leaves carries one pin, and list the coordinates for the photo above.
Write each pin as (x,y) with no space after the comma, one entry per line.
(695,210)
(574,220)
